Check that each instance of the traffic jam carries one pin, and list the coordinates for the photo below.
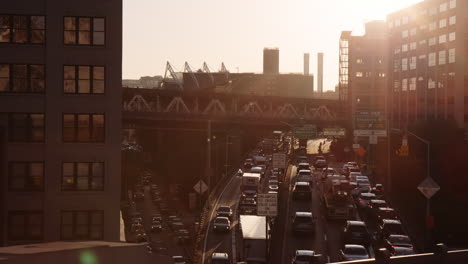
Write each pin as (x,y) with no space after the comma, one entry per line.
(346,196)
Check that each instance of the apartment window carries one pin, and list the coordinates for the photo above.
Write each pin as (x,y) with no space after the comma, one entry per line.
(404,64)
(442,57)
(412,85)
(404,47)
(422,26)
(431,84)
(432,26)
(78,79)
(412,65)
(432,59)
(83,176)
(382,74)
(452,36)
(22,29)
(432,41)
(442,23)
(358,74)
(422,57)
(26,127)
(453,3)
(84,31)
(82,225)
(413,45)
(433,11)
(397,23)
(390,24)
(404,85)
(22,78)
(442,39)
(397,51)
(413,31)
(451,55)
(452,20)
(443,7)
(404,34)
(26,176)
(422,42)
(83,127)
(404,20)
(396,65)
(396,86)
(359,61)
(25,225)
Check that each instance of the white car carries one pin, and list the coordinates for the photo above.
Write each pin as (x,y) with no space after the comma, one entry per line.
(304,257)
(179,260)
(273,185)
(221,224)
(353,252)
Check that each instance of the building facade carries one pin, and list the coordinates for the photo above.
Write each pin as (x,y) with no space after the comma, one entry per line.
(320,72)
(60,120)
(428,76)
(270,61)
(367,82)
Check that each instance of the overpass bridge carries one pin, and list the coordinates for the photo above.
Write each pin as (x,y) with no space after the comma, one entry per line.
(149,105)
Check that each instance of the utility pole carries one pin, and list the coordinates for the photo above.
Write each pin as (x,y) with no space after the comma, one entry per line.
(208,158)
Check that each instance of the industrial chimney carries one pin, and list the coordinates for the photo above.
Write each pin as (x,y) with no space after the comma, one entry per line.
(306,63)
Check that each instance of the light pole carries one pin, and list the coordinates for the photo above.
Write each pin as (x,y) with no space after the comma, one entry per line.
(226,165)
(428,144)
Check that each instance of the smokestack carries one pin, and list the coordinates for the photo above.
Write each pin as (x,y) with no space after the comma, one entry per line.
(270,61)
(306,63)
(320,72)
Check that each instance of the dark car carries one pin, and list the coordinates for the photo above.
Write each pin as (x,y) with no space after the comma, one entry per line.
(156,226)
(302,190)
(365,199)
(374,205)
(321,163)
(397,241)
(224,210)
(389,227)
(355,232)
(385,213)
(378,190)
(303,222)
(182,236)
(401,251)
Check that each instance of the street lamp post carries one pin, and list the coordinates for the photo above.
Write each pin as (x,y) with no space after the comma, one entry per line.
(226,165)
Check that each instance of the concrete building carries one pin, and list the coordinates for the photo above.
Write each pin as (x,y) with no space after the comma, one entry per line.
(428,74)
(344,66)
(306,63)
(60,120)
(367,84)
(270,61)
(320,72)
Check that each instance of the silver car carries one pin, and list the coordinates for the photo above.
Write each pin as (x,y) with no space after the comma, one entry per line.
(353,252)
(221,224)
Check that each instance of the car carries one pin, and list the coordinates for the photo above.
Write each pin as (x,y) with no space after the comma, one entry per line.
(303,166)
(302,190)
(248,163)
(156,218)
(249,193)
(273,185)
(385,213)
(159,246)
(389,227)
(401,251)
(258,170)
(303,222)
(248,205)
(176,226)
(321,163)
(139,195)
(353,252)
(374,205)
(352,164)
(397,241)
(220,258)
(364,200)
(156,226)
(363,185)
(378,190)
(305,257)
(221,224)
(327,171)
(355,232)
(224,210)
(302,159)
(182,236)
(178,260)
(352,176)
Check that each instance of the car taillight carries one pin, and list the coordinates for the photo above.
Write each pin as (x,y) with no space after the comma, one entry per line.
(361,201)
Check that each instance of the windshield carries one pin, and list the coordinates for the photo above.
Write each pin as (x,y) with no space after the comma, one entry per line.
(394,228)
(303,219)
(302,188)
(221,221)
(224,209)
(399,240)
(358,229)
(355,251)
(304,258)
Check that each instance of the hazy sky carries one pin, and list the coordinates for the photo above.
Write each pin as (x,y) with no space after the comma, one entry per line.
(236,31)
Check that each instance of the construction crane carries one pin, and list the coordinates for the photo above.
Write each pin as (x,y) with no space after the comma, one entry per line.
(189,70)
(224,70)
(173,75)
(207,70)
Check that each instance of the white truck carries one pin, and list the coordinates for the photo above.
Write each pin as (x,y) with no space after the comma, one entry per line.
(254,239)
(250,181)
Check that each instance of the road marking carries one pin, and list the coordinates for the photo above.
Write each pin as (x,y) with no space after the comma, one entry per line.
(211,216)
(291,168)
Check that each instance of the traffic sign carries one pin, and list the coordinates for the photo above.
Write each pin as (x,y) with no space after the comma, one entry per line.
(279,160)
(428,187)
(369,121)
(305,132)
(334,131)
(200,187)
(267,204)
(356,146)
(369,132)
(373,139)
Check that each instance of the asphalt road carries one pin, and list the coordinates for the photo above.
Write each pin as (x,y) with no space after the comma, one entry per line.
(222,242)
